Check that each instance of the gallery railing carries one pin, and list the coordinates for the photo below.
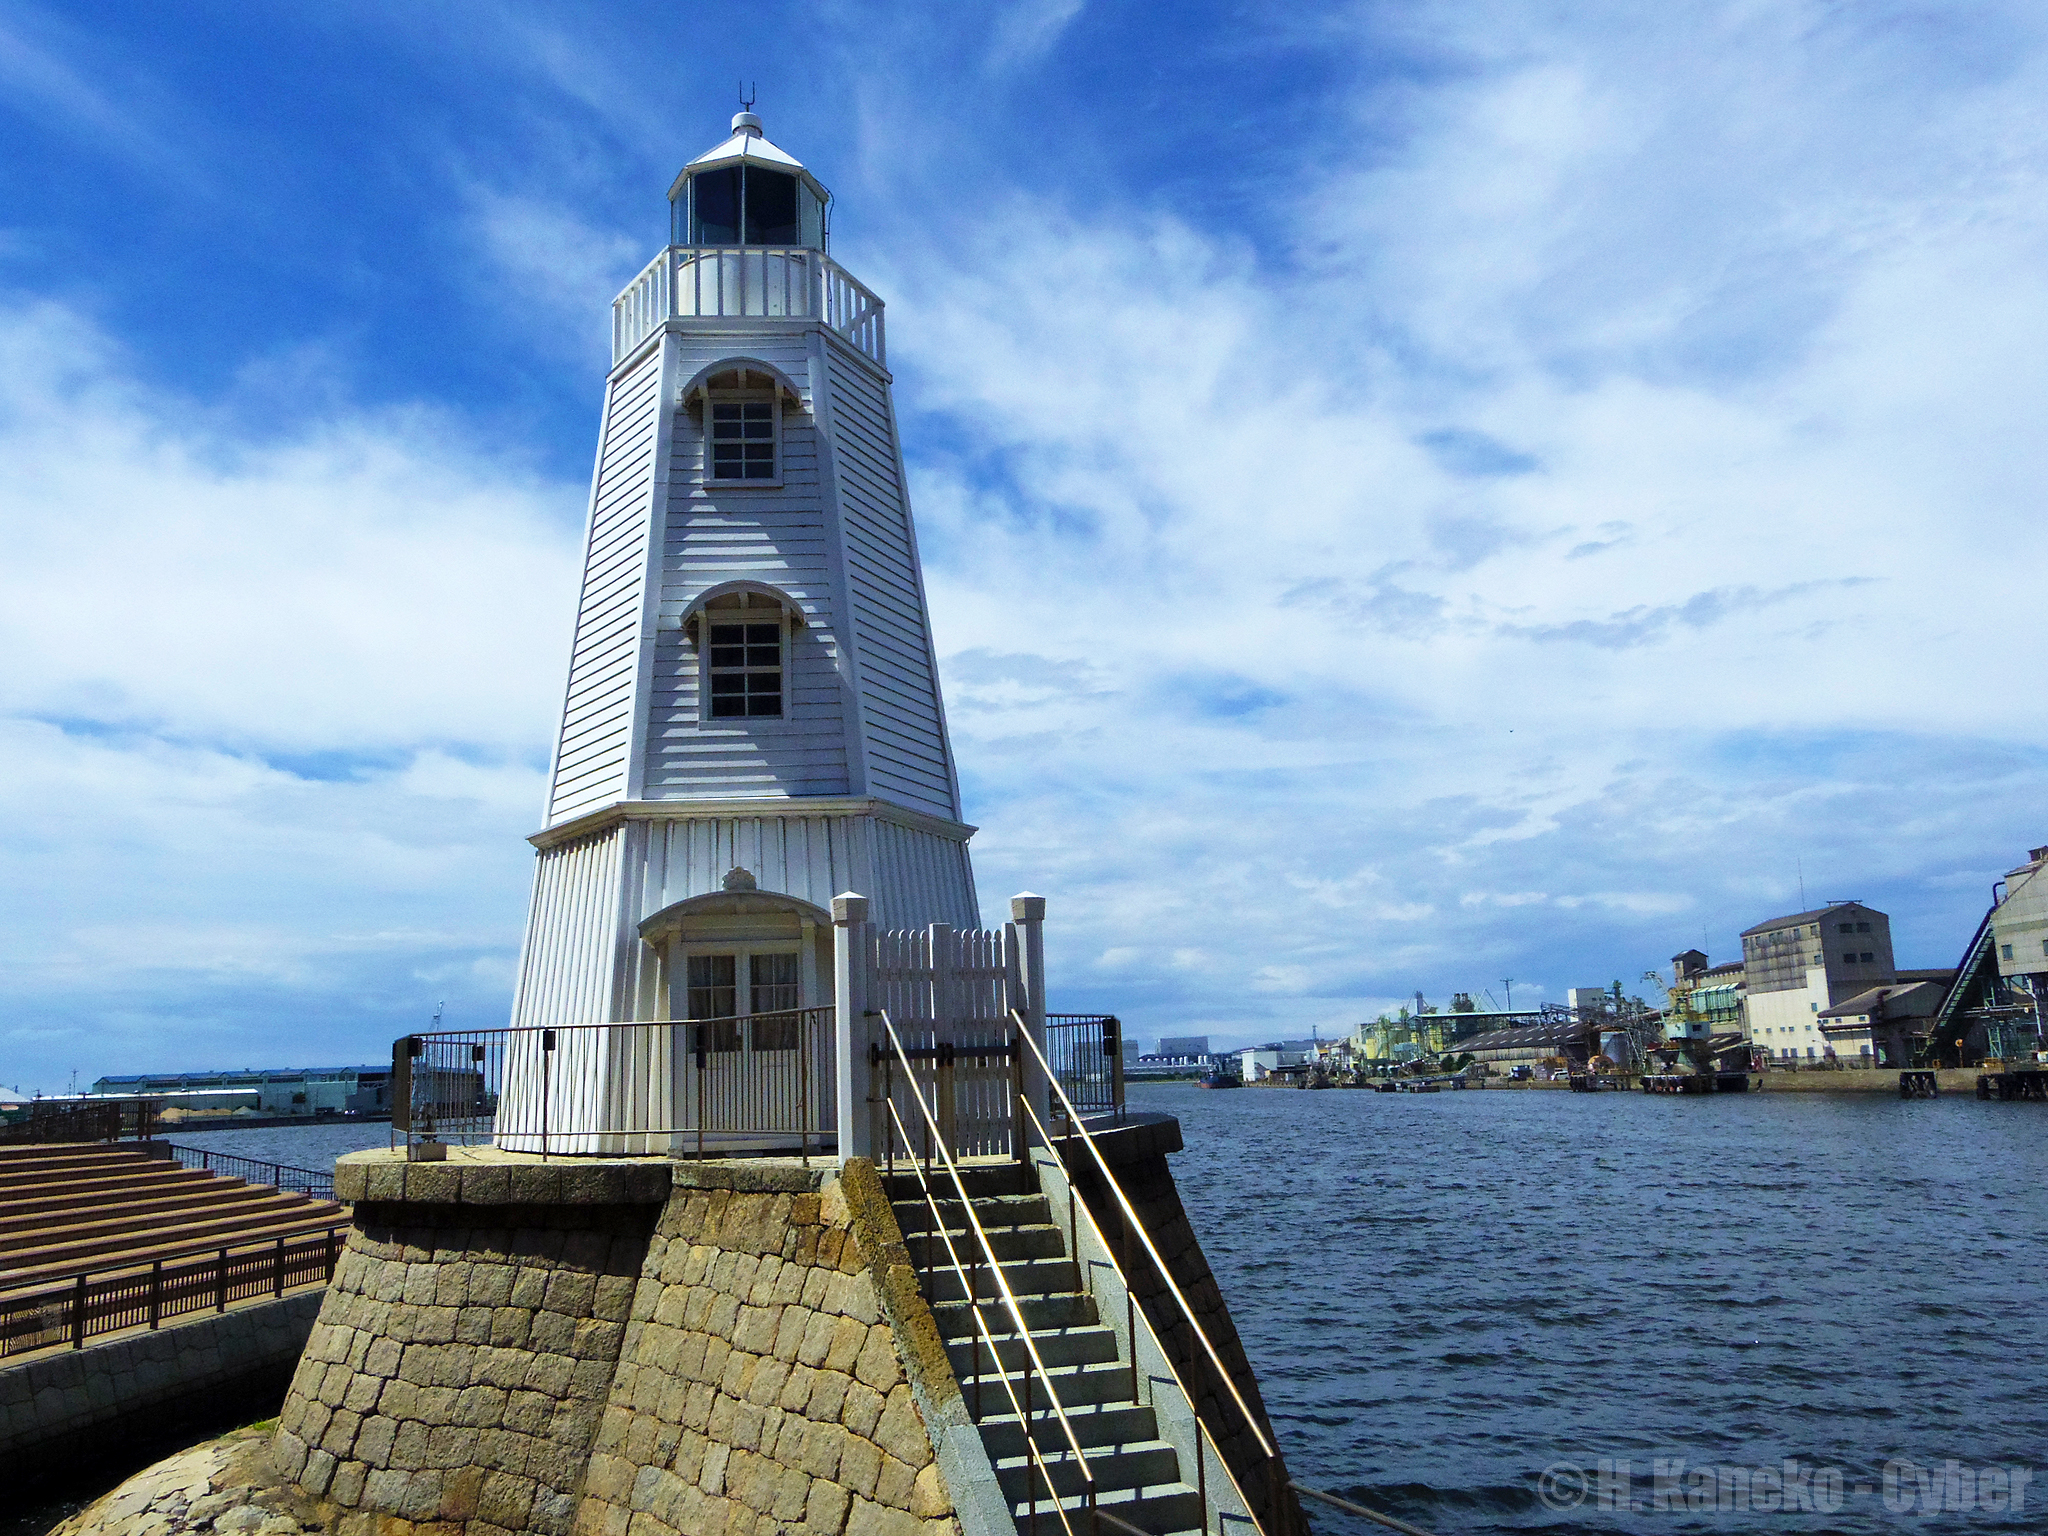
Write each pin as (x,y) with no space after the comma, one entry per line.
(783,283)
(297,1181)
(1086,1051)
(757,1082)
(113,1297)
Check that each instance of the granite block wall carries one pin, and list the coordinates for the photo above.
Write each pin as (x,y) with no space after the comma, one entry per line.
(461,1365)
(658,1350)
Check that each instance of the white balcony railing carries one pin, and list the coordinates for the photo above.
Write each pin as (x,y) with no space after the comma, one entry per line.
(689,282)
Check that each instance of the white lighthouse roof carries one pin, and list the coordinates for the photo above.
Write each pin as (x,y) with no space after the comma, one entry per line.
(747,146)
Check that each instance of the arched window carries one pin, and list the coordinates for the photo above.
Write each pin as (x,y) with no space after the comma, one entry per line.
(742,633)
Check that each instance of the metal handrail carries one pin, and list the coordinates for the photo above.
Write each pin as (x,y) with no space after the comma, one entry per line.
(981,1322)
(1131,1217)
(938,1142)
(309,1181)
(1130,1298)
(75,1288)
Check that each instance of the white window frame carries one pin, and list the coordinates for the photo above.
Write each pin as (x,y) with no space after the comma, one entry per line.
(743,951)
(704,618)
(773,399)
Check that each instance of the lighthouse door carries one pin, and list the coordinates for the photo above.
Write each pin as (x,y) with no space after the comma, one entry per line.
(740,1058)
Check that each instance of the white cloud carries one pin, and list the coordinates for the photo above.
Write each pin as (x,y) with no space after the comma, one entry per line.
(273,717)
(1639,419)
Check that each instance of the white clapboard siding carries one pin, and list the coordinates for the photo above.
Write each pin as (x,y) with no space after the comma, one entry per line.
(593,752)
(907,756)
(778,536)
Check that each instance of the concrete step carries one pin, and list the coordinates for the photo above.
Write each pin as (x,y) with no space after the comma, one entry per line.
(1059,1309)
(76,1194)
(140,1256)
(1115,1468)
(1094,1424)
(207,1201)
(927,1248)
(983,1180)
(1105,1381)
(243,1221)
(914,1215)
(1025,1277)
(15,1171)
(1056,1346)
(1166,1509)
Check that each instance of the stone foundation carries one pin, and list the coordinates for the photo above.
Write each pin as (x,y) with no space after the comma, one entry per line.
(707,1349)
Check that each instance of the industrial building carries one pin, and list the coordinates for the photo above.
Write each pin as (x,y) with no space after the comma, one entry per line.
(263,1090)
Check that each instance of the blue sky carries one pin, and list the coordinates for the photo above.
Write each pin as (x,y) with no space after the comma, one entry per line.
(1413,494)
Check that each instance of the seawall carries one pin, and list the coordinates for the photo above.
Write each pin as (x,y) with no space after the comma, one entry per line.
(64,1407)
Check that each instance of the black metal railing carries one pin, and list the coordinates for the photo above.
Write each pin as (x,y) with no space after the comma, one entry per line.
(113,1297)
(1086,1052)
(753,1083)
(57,1120)
(296,1181)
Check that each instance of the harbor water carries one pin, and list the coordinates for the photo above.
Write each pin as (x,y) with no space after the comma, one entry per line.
(1470,1310)
(1447,1296)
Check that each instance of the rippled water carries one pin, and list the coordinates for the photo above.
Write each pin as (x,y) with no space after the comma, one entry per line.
(295,1146)
(1445,1294)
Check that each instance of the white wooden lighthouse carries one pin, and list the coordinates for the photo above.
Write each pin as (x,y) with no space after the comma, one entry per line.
(752,722)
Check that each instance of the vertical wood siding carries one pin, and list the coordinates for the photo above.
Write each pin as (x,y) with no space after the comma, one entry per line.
(912,876)
(776,536)
(570,965)
(908,758)
(592,756)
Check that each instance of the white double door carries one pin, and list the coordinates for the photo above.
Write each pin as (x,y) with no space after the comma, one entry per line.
(749,1063)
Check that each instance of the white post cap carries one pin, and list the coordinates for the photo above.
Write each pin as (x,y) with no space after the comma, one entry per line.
(849,907)
(1027,908)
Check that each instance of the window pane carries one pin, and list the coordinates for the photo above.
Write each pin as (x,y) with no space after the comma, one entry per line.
(762,634)
(726,461)
(728,655)
(723,708)
(764,655)
(771,207)
(734,682)
(717,198)
(773,983)
(764,703)
(713,988)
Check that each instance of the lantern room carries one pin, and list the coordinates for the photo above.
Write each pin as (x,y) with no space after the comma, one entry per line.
(747,192)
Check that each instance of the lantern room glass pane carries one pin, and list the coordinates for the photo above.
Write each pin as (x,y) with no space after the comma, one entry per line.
(715,207)
(771,208)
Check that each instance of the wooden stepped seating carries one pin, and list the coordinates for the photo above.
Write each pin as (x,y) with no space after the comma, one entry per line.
(67,1208)
(1138,1474)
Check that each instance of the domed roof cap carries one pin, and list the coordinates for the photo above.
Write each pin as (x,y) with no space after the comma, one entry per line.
(748,146)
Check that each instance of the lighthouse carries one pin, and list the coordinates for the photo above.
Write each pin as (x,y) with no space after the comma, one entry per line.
(752,722)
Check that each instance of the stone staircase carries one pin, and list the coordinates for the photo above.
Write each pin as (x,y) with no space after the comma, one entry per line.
(71,1206)
(1137,1475)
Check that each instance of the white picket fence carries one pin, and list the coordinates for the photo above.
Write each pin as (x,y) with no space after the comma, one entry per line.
(948,994)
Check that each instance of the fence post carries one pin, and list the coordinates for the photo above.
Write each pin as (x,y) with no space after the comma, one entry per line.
(1028,913)
(156,1293)
(78,1314)
(220,1283)
(944,946)
(850,1027)
(277,1277)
